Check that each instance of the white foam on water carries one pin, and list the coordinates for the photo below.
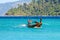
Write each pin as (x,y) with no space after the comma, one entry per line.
(38,27)
(20,25)
(24,25)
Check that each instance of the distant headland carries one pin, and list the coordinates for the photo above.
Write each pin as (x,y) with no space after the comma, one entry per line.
(36,8)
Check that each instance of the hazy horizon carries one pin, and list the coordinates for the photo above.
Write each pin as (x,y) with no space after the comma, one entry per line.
(4,6)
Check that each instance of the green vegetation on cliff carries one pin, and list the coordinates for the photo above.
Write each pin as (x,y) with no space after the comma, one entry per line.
(37,7)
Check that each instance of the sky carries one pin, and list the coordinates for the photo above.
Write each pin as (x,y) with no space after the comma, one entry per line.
(5,1)
(26,1)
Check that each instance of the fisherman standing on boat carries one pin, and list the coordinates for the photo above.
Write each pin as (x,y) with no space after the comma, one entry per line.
(37,24)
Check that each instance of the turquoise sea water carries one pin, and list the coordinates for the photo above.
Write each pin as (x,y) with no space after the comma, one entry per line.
(13,29)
